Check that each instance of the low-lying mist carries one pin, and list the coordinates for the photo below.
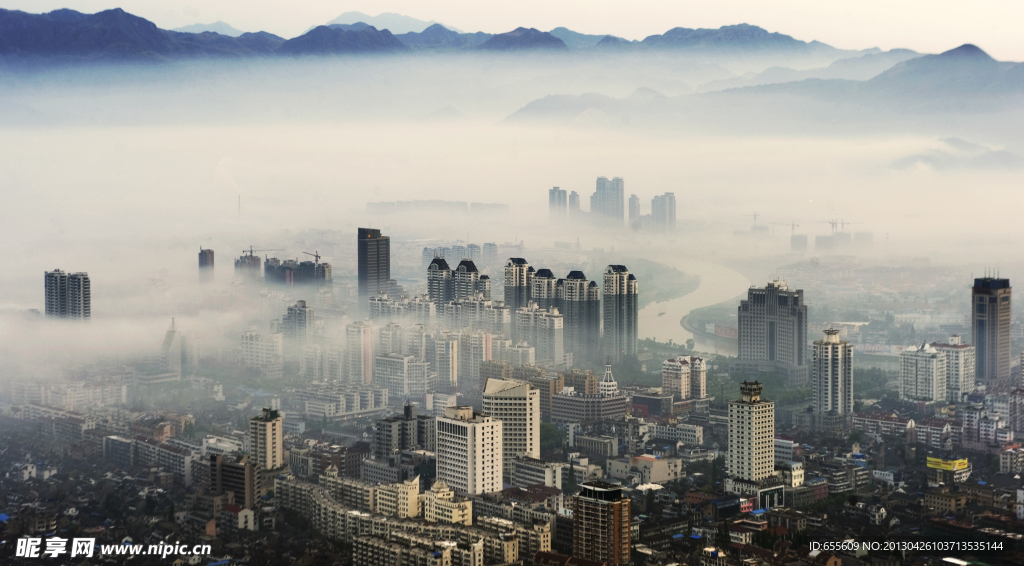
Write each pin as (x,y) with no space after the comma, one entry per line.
(126,173)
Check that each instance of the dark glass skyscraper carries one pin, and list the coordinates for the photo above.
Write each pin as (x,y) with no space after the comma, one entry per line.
(620,302)
(990,330)
(518,286)
(205,265)
(579,300)
(374,256)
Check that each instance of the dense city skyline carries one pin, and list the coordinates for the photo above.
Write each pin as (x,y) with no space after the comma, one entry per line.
(384,293)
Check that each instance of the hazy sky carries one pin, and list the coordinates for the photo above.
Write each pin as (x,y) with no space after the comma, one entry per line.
(927,26)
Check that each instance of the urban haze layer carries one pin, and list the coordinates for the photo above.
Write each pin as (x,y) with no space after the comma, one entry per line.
(379,295)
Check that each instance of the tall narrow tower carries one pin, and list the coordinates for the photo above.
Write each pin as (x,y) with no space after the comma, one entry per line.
(266,439)
(607,204)
(579,301)
(750,461)
(601,524)
(990,330)
(833,375)
(374,258)
(518,284)
(205,265)
(557,203)
(663,211)
(751,454)
(620,313)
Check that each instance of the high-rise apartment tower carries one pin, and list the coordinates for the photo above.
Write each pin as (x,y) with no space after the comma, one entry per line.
(374,259)
(601,518)
(68,295)
(266,439)
(557,203)
(607,204)
(833,375)
(990,329)
(205,265)
(620,298)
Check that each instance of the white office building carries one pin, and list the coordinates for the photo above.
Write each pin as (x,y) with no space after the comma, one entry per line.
(960,368)
(436,403)
(685,377)
(542,329)
(264,352)
(517,405)
(446,361)
(923,374)
(469,451)
(359,345)
(405,377)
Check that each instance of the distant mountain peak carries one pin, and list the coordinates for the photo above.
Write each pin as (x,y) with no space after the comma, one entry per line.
(395,23)
(743,37)
(220,27)
(966,50)
(523,38)
(326,40)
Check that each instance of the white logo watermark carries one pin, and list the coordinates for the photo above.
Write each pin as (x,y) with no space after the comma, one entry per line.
(53,547)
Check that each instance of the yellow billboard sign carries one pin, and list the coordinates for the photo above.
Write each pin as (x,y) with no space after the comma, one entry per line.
(950,465)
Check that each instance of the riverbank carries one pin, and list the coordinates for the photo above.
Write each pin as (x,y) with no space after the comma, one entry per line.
(662,321)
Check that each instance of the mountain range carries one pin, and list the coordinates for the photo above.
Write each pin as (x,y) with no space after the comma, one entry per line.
(961,79)
(897,78)
(118,34)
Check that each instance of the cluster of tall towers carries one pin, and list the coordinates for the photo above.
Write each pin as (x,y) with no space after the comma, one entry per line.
(772,333)
(288,272)
(583,305)
(607,205)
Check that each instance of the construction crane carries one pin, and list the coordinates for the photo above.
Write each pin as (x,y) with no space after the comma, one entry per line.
(250,251)
(840,224)
(793,225)
(315,254)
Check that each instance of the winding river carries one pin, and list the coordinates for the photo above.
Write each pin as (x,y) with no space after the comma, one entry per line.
(717,283)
